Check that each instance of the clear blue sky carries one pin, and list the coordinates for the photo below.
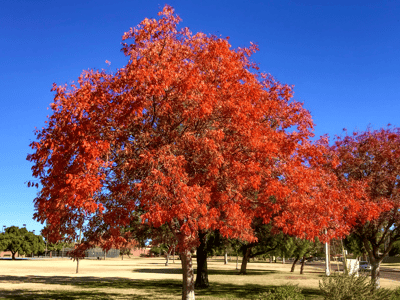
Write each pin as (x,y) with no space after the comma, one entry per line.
(343,57)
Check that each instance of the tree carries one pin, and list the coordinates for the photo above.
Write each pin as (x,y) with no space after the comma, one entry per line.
(189,132)
(354,244)
(20,240)
(304,249)
(209,243)
(266,243)
(395,249)
(126,247)
(373,159)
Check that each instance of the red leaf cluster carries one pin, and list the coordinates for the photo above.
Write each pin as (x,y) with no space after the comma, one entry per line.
(189,132)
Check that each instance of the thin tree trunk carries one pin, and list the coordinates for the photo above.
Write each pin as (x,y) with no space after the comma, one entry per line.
(13,255)
(302,264)
(167,258)
(294,263)
(77,265)
(202,270)
(77,260)
(225,257)
(237,261)
(246,256)
(283,259)
(188,276)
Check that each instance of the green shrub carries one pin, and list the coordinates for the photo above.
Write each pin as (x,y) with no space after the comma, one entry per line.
(351,287)
(395,294)
(285,292)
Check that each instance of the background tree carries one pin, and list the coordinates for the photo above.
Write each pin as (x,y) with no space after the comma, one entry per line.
(188,131)
(373,159)
(211,243)
(266,243)
(126,247)
(21,241)
(305,249)
(395,251)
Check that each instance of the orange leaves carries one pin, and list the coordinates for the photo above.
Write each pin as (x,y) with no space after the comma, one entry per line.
(186,133)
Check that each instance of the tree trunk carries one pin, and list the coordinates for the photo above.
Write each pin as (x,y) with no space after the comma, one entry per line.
(122,256)
(237,261)
(376,273)
(246,257)
(302,264)
(202,270)
(375,260)
(294,263)
(225,257)
(77,265)
(283,259)
(167,258)
(13,255)
(188,276)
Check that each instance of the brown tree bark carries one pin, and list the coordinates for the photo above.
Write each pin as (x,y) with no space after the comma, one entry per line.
(376,274)
(375,260)
(77,265)
(202,270)
(246,257)
(302,264)
(188,276)
(294,263)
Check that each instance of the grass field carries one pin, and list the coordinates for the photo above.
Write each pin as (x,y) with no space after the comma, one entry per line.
(145,278)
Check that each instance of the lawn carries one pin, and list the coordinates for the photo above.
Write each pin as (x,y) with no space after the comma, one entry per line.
(145,278)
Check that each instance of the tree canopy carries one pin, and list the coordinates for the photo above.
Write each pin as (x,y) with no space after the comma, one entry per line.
(20,240)
(372,158)
(192,134)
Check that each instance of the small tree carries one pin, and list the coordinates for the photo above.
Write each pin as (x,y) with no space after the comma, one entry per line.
(372,158)
(20,240)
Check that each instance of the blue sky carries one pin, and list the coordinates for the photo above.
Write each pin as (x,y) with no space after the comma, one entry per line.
(343,57)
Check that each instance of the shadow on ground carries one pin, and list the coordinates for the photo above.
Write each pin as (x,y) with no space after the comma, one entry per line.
(211,272)
(132,289)
(41,295)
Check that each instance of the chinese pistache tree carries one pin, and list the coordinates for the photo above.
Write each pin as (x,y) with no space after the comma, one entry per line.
(373,158)
(190,133)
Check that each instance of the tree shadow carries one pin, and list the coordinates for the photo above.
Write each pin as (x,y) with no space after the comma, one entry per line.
(246,291)
(210,271)
(42,295)
(148,289)
(160,271)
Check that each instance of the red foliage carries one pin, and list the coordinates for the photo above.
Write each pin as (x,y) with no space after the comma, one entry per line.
(191,134)
(372,158)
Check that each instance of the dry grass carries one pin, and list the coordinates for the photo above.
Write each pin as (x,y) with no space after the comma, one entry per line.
(145,278)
